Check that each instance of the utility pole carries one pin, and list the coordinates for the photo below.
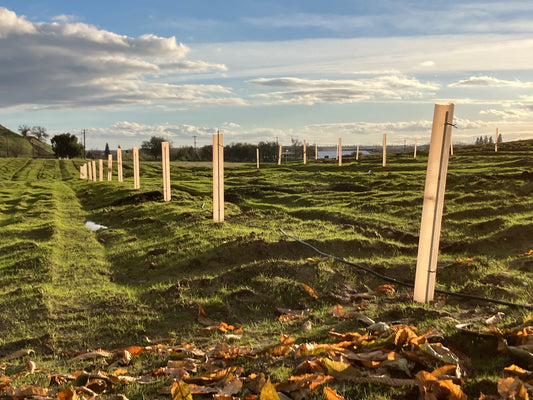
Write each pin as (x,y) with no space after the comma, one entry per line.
(84,144)
(194,137)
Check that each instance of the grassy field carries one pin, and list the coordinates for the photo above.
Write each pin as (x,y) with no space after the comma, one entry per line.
(64,288)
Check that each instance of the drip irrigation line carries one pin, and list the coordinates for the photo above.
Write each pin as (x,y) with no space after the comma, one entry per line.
(407,284)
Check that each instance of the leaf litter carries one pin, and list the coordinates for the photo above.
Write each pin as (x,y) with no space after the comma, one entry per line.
(395,356)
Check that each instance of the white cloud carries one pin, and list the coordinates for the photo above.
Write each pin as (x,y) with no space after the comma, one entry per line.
(489,81)
(72,65)
(311,91)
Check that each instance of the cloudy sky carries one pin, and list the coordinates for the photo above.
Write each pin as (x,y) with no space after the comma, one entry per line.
(262,70)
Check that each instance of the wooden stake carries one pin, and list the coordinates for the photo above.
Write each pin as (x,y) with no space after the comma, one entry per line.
(119,165)
(279,154)
(316,152)
(357,154)
(305,152)
(218,177)
(90,171)
(257,156)
(136,180)
(101,170)
(414,155)
(340,151)
(384,149)
(109,167)
(451,146)
(496,142)
(428,247)
(93,164)
(165,162)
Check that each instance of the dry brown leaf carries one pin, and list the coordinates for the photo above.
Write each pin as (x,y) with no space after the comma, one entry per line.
(512,388)
(92,354)
(404,336)
(5,382)
(338,311)
(331,394)
(204,319)
(31,366)
(67,394)
(268,392)
(232,387)
(26,391)
(522,373)
(309,290)
(309,366)
(384,289)
(19,354)
(340,370)
(432,388)
(256,382)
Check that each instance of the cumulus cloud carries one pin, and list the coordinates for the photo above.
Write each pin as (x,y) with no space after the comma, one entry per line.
(66,65)
(311,91)
(489,81)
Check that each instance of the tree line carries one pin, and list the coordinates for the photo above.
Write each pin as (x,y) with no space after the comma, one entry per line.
(487,140)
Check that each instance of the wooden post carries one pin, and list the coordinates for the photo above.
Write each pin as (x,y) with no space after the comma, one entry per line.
(451,146)
(316,152)
(496,142)
(119,165)
(136,180)
(340,151)
(305,152)
(218,177)
(257,156)
(384,149)
(101,170)
(93,164)
(428,247)
(81,171)
(165,162)
(357,154)
(279,154)
(414,155)
(90,171)
(109,167)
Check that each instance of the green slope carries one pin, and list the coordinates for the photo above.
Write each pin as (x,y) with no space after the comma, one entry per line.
(14,145)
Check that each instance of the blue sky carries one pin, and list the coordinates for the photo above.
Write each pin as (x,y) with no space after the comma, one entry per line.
(266,70)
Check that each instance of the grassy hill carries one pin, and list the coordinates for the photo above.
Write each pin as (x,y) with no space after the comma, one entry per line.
(14,145)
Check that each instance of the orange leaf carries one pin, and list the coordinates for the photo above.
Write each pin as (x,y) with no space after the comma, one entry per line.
(309,366)
(512,388)
(444,370)
(309,290)
(338,311)
(331,394)
(385,289)
(517,371)
(203,318)
(67,394)
(404,336)
(268,392)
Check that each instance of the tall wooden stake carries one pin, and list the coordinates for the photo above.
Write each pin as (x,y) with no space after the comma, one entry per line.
(109,167)
(384,149)
(218,177)
(357,154)
(101,170)
(340,151)
(279,154)
(165,163)
(136,180)
(257,156)
(90,167)
(305,152)
(414,155)
(119,165)
(316,152)
(93,164)
(428,247)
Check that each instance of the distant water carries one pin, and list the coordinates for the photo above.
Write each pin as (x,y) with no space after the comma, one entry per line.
(93,226)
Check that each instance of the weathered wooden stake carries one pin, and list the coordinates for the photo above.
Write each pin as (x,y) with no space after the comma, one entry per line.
(428,246)
(451,146)
(119,165)
(218,177)
(165,162)
(101,170)
(93,164)
(357,154)
(109,167)
(316,152)
(496,142)
(257,156)
(305,152)
(279,154)
(136,180)
(90,171)
(384,149)
(414,155)
(340,151)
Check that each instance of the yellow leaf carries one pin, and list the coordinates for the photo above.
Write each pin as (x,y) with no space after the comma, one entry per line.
(268,392)
(309,290)
(180,391)
(331,394)
(340,370)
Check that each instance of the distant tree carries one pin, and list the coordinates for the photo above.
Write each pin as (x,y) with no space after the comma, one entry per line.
(39,132)
(268,151)
(478,141)
(66,145)
(500,138)
(205,153)
(153,146)
(491,141)
(106,151)
(486,140)
(24,130)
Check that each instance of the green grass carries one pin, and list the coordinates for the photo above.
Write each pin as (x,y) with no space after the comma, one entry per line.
(64,288)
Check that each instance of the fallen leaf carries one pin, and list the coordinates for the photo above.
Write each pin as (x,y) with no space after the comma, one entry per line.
(309,290)
(309,366)
(31,366)
(180,391)
(67,394)
(92,355)
(512,388)
(204,319)
(26,391)
(385,289)
(331,394)
(19,354)
(340,370)
(268,392)
(338,311)
(431,387)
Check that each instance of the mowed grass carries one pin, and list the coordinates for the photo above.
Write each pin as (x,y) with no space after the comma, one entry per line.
(66,288)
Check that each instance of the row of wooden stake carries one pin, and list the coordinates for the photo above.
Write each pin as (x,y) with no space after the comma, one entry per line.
(439,152)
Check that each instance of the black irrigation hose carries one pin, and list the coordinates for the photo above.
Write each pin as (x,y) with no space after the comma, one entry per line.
(407,284)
